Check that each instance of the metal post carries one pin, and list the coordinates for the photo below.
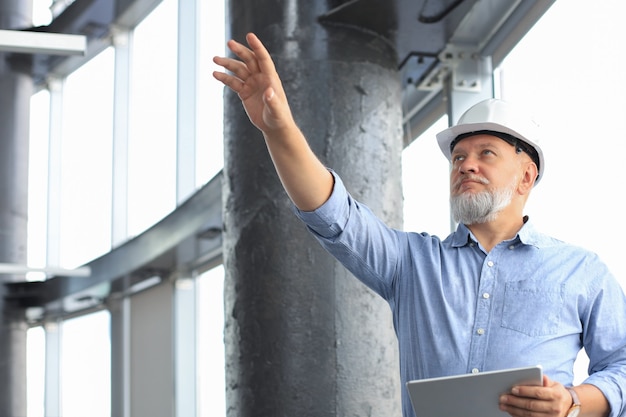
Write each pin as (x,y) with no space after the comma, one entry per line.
(120,308)
(460,97)
(187,91)
(16,89)
(52,392)
(151,351)
(184,307)
(120,356)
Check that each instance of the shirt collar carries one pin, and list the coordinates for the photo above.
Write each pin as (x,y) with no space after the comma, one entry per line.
(528,235)
(462,236)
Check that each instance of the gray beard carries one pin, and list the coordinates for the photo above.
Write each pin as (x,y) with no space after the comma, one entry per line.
(481,207)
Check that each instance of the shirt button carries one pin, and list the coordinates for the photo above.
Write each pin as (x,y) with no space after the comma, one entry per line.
(475,370)
(490,263)
(512,247)
(485,295)
(480,331)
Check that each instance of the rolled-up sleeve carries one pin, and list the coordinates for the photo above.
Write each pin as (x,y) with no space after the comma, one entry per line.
(329,219)
(605,341)
(355,237)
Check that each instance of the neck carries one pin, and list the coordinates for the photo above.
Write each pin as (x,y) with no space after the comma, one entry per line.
(504,227)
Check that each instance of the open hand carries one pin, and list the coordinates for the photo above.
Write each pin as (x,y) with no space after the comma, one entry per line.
(254,78)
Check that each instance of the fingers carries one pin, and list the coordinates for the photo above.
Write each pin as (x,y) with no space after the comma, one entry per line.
(237,68)
(530,400)
(240,70)
(252,75)
(264,61)
(230,81)
(254,59)
(524,406)
(245,54)
(251,61)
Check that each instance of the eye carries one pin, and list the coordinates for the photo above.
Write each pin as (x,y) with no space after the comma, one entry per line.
(457,158)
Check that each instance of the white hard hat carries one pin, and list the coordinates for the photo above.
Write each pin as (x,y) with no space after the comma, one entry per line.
(493,116)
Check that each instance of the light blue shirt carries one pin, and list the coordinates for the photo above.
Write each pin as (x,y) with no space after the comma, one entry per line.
(532,300)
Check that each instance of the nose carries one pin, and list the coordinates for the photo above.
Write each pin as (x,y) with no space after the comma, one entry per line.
(467,165)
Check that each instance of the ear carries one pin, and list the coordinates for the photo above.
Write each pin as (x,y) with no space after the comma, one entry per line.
(529,176)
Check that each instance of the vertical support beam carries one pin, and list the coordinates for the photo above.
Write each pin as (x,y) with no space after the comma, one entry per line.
(55,149)
(185,346)
(459,98)
(303,337)
(187,108)
(52,391)
(184,311)
(16,89)
(120,309)
(122,41)
(52,397)
(120,357)
(151,370)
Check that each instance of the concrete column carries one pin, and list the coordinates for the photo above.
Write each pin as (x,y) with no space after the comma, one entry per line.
(15,93)
(302,336)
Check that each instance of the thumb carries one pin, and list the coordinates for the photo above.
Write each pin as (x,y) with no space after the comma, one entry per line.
(268,96)
(271,104)
(276,113)
(546,381)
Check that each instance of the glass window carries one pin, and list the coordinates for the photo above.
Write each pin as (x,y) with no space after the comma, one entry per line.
(211,362)
(35,371)
(578,99)
(209,146)
(152,130)
(86,161)
(41,12)
(425,173)
(86,366)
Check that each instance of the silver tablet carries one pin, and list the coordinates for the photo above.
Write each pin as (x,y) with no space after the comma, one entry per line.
(469,394)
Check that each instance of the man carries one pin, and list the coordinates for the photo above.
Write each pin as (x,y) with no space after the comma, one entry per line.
(496,293)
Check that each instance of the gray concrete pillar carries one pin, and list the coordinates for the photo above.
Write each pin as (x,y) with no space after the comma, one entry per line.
(302,336)
(15,93)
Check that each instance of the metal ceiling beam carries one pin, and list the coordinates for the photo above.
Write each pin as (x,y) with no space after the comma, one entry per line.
(11,269)
(491,28)
(42,43)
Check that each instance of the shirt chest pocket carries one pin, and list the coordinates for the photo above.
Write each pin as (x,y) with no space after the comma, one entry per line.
(532,308)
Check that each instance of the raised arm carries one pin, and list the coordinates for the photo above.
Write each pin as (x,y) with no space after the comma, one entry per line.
(254,78)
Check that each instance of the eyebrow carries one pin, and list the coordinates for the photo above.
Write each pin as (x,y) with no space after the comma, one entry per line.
(520,145)
(487,143)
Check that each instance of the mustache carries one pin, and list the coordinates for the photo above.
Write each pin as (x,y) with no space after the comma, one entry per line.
(470,177)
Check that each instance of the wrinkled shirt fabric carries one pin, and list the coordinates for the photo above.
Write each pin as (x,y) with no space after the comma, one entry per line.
(531,300)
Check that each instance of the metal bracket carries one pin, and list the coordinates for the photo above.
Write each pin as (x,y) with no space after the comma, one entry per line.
(465,66)
(462,64)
